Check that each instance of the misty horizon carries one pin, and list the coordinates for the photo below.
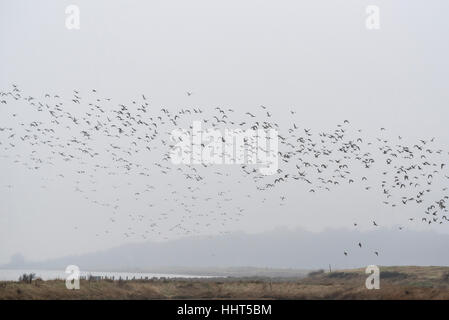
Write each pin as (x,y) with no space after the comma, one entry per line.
(281,248)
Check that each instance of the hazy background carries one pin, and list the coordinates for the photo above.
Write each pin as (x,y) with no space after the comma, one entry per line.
(315,57)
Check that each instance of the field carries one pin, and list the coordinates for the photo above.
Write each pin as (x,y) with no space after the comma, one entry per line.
(395,283)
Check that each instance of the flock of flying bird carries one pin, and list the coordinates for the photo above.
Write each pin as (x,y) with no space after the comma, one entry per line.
(97,139)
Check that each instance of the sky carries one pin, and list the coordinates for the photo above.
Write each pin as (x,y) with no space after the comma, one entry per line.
(316,58)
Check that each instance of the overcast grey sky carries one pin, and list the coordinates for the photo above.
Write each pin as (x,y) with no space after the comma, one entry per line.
(314,57)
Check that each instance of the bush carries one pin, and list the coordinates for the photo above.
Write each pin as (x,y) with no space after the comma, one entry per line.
(393,275)
(27,278)
(316,273)
(342,275)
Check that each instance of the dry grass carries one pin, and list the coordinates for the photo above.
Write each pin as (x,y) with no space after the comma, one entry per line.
(396,283)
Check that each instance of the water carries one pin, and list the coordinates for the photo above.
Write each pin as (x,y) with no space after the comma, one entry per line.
(14,274)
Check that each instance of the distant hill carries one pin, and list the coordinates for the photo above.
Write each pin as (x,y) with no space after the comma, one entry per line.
(288,251)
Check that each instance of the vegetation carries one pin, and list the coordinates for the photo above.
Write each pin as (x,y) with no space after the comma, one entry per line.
(396,283)
(27,278)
